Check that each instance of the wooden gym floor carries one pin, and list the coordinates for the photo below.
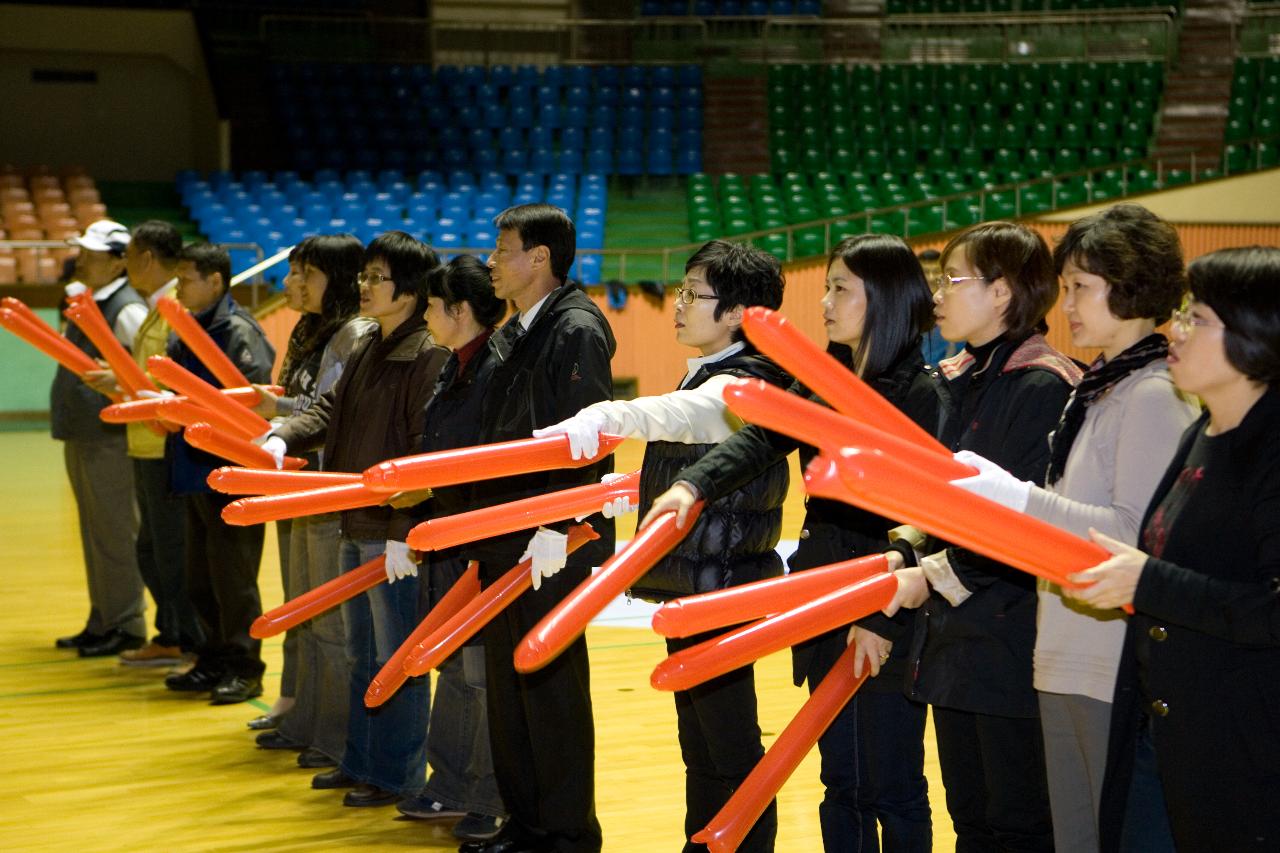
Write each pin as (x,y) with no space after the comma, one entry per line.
(100,757)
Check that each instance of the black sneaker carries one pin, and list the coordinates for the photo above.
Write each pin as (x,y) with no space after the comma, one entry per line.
(425,808)
(478,827)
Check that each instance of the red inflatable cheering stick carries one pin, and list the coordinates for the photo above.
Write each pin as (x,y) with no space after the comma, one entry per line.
(246,453)
(450,530)
(567,620)
(199,342)
(146,410)
(760,403)
(728,652)
(246,422)
(257,481)
(86,314)
(392,676)
(482,462)
(40,335)
(475,614)
(777,337)
(313,602)
(697,614)
(876,482)
(732,823)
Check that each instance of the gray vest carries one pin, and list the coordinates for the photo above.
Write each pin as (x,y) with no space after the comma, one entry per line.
(73,405)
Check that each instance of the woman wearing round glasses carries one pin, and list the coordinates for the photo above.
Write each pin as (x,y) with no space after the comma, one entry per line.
(1122,276)
(876,308)
(1195,727)
(971,652)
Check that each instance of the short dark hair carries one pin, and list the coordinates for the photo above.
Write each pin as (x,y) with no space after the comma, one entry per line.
(208,259)
(739,274)
(159,238)
(899,303)
(408,258)
(1019,255)
(543,225)
(340,257)
(466,279)
(1136,252)
(1242,286)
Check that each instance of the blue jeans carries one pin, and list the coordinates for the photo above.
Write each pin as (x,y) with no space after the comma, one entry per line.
(872,769)
(386,746)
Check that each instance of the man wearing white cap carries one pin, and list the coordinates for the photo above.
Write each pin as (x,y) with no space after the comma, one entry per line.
(97,465)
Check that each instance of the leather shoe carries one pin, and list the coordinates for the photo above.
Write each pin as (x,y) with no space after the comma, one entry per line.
(75,641)
(263,723)
(369,795)
(115,642)
(235,688)
(331,779)
(275,740)
(511,839)
(195,680)
(312,759)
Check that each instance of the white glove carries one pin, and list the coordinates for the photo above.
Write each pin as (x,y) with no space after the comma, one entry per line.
(400,562)
(148,394)
(583,430)
(617,507)
(993,482)
(549,550)
(275,445)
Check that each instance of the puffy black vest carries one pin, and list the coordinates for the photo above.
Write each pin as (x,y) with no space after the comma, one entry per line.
(73,405)
(733,540)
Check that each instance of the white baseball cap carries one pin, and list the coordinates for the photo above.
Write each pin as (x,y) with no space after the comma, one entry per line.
(103,236)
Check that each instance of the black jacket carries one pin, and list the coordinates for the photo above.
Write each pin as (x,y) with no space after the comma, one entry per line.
(734,540)
(540,377)
(450,422)
(977,656)
(1201,658)
(833,530)
(374,413)
(237,334)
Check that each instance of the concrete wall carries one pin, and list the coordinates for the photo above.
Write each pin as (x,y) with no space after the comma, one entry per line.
(148,113)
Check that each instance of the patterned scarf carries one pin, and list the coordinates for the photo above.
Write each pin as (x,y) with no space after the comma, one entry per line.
(1100,378)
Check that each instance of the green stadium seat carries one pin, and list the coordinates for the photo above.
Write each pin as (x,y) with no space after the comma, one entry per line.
(1141,180)
(774,244)
(1096,155)
(1176,177)
(809,242)
(1237,158)
(1268,155)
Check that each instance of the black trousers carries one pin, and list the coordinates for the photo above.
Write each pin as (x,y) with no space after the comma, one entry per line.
(997,791)
(222,580)
(540,725)
(162,555)
(719,733)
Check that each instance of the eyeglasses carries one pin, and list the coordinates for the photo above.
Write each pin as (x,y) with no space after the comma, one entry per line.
(1184,321)
(371,278)
(688,295)
(945,282)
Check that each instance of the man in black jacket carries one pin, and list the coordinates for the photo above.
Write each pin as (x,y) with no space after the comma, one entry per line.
(221,560)
(552,359)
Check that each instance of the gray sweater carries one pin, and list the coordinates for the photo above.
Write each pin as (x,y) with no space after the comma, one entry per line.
(1116,462)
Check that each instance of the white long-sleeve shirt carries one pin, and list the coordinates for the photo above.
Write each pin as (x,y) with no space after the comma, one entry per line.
(687,416)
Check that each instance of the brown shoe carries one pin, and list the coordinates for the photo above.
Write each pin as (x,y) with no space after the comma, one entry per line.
(152,655)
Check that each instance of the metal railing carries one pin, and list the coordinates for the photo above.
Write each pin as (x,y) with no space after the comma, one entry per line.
(1023,37)
(1015,37)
